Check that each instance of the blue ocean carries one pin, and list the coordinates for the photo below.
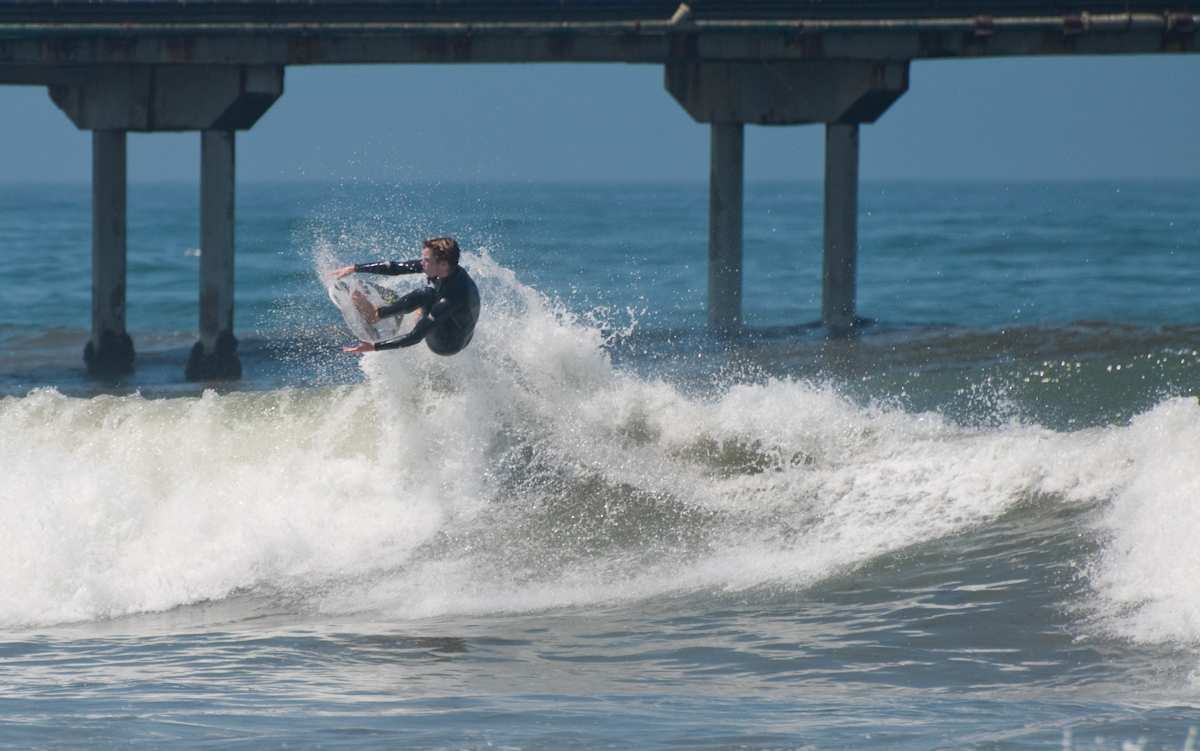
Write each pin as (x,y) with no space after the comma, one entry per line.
(973,525)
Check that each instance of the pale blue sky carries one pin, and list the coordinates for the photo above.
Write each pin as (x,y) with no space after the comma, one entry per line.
(1007,119)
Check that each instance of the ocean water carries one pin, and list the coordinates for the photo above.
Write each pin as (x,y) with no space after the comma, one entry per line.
(974,525)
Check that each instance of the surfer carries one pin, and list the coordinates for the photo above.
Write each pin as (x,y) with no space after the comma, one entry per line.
(448,304)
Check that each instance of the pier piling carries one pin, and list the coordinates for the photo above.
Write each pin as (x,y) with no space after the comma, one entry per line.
(216,101)
(839,286)
(110,350)
(215,355)
(725,228)
(729,94)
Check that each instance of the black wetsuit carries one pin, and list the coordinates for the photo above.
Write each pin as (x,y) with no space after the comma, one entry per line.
(451,308)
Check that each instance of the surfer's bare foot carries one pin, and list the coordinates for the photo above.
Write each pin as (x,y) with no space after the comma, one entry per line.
(364,307)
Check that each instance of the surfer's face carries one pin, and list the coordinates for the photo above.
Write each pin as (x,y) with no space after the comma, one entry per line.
(433,267)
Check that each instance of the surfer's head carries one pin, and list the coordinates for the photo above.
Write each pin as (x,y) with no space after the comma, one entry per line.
(439,257)
(443,249)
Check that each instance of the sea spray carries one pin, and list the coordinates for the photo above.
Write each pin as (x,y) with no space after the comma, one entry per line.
(528,472)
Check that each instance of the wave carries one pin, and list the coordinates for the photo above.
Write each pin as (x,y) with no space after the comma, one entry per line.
(1146,580)
(529,472)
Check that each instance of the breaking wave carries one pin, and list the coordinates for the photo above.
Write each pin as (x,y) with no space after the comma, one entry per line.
(528,472)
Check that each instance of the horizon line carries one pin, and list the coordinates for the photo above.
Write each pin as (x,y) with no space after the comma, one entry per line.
(11,182)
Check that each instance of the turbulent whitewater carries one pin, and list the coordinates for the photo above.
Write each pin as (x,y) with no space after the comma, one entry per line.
(592,528)
(529,473)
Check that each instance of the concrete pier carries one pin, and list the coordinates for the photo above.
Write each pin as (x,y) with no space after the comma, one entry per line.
(839,93)
(215,355)
(725,228)
(215,100)
(839,275)
(215,66)
(110,350)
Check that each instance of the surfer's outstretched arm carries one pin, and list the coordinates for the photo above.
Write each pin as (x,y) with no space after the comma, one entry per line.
(387,268)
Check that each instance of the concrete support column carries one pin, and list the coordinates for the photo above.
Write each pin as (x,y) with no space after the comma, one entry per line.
(215,355)
(839,279)
(725,227)
(110,350)
(841,93)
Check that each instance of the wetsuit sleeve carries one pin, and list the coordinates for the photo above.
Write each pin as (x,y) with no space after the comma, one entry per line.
(413,337)
(390,268)
(440,310)
(418,298)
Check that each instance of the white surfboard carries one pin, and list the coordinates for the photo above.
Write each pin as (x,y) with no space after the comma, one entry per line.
(356,299)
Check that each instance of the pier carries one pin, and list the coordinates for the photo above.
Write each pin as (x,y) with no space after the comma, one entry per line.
(216,66)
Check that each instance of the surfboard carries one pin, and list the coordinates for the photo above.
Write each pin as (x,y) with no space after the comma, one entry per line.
(356,299)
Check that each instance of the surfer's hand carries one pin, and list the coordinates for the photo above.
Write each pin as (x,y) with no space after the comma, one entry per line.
(360,348)
(343,271)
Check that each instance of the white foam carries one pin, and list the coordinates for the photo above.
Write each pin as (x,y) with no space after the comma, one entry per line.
(112,506)
(880,481)
(432,487)
(1148,576)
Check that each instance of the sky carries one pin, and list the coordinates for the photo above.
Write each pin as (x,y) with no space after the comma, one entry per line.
(1070,118)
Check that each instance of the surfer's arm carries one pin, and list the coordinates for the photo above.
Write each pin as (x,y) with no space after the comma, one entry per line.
(389,268)
(440,310)
(412,337)
(418,298)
